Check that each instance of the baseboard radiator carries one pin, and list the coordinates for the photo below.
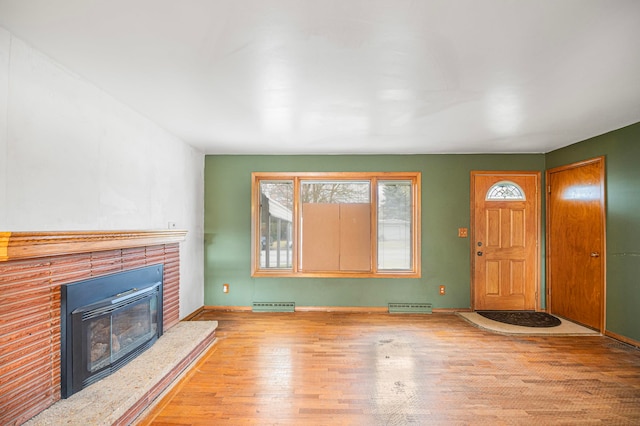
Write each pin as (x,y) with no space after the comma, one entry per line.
(410,308)
(273,307)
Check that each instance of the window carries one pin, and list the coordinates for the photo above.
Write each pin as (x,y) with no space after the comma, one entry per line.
(503,191)
(336,224)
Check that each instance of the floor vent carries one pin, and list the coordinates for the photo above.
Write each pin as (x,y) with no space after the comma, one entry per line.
(274,307)
(410,308)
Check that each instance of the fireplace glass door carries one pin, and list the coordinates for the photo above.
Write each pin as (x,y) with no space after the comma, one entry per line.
(111,337)
(113,331)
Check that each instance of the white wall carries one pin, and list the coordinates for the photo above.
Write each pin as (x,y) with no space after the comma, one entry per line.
(5,42)
(74,158)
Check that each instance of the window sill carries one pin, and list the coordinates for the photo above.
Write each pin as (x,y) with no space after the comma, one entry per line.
(289,274)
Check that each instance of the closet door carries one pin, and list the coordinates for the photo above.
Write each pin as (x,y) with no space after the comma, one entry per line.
(575,237)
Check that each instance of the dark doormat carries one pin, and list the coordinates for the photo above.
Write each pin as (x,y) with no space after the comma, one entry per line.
(522,318)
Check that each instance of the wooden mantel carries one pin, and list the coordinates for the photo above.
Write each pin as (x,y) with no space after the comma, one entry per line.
(28,245)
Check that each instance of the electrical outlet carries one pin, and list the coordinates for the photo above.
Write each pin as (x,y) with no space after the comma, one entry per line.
(462,232)
(225,288)
(441,290)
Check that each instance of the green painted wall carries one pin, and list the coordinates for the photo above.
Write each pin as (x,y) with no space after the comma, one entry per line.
(621,149)
(445,208)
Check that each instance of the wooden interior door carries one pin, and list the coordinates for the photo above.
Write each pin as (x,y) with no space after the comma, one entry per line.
(575,242)
(505,241)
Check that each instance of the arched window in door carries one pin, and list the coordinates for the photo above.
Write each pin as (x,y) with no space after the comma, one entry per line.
(505,191)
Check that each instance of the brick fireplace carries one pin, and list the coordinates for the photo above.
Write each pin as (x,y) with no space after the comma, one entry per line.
(33,267)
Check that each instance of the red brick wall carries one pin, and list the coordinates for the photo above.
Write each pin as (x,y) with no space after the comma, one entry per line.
(30,318)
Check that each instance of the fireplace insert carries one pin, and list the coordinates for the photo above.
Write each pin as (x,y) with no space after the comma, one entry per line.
(106,322)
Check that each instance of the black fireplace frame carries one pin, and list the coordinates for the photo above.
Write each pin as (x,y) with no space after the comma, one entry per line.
(101,293)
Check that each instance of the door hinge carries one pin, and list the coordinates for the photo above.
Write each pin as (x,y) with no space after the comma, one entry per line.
(549,189)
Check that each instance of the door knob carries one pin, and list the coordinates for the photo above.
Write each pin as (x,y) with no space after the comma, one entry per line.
(479,253)
(595,254)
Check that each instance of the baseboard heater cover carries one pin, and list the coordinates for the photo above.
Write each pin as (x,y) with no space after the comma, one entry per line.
(410,308)
(274,307)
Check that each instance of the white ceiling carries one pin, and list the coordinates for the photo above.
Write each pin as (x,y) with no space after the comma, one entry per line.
(353,76)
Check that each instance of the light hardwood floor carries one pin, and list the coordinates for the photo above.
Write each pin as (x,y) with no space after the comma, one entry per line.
(319,368)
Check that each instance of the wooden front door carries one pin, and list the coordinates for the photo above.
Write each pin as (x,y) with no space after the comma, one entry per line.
(575,242)
(505,210)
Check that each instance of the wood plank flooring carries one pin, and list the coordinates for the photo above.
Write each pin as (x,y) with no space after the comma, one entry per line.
(319,368)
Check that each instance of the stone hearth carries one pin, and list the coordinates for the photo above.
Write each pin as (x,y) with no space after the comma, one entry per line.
(121,397)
